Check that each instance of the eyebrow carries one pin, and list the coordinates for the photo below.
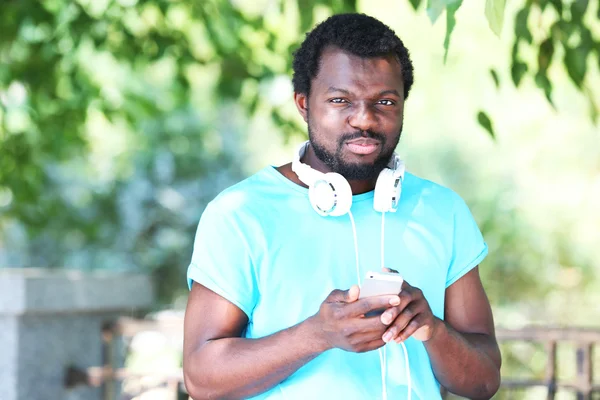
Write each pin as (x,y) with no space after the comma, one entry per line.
(382,93)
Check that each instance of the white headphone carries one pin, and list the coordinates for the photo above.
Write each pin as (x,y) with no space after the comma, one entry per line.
(330,193)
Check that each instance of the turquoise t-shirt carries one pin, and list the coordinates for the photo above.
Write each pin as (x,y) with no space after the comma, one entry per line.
(261,246)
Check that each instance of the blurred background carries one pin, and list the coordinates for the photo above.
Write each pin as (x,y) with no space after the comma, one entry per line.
(121,119)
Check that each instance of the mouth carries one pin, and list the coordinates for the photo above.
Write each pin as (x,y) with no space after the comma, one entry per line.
(363,146)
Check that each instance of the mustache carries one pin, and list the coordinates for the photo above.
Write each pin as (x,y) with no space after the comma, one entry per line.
(362,134)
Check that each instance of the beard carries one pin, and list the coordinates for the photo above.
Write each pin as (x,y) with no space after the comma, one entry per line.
(354,170)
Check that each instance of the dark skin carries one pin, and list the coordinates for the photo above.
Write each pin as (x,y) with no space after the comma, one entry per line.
(351,94)
(219,363)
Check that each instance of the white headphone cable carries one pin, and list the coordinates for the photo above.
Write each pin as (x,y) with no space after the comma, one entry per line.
(407,366)
(355,247)
(383,359)
(382,355)
(382,241)
(382,350)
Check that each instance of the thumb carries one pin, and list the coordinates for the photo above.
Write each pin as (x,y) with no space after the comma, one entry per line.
(351,295)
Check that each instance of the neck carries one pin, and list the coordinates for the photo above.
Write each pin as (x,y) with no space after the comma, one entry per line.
(357,186)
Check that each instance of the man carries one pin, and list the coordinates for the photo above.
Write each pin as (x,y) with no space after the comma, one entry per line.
(274,309)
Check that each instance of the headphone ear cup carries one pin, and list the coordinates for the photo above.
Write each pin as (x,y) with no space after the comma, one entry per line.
(343,193)
(331,195)
(386,191)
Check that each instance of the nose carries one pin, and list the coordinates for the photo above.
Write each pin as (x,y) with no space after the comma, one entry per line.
(362,118)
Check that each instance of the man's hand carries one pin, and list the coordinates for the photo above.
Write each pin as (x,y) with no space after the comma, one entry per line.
(341,323)
(412,317)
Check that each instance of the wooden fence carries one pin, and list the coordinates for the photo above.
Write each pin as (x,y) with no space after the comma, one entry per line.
(583,340)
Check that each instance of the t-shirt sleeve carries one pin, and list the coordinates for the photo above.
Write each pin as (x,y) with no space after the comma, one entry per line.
(468,246)
(221,260)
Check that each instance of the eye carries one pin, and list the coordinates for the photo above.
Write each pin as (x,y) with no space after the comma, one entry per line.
(386,102)
(338,100)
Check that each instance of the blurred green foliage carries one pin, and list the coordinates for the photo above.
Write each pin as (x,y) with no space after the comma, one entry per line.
(568,33)
(118,117)
(146,85)
(568,25)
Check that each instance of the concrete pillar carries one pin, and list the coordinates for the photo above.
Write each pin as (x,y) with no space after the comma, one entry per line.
(52,319)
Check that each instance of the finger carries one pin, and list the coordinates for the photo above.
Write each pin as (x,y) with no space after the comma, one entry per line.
(410,295)
(363,306)
(352,294)
(406,287)
(368,326)
(407,294)
(367,336)
(359,330)
(416,324)
(393,271)
(400,323)
(390,315)
(369,346)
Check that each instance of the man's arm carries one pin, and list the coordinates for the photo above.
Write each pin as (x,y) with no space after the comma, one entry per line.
(463,350)
(218,363)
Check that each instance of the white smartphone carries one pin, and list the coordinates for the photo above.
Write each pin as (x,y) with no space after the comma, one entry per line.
(380,283)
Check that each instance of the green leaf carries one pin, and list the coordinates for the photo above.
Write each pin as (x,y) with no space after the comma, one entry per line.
(494,12)
(558,6)
(415,3)
(495,77)
(545,54)
(486,123)
(521,28)
(597,46)
(450,23)
(594,107)
(587,41)
(542,81)
(575,61)
(435,8)
(578,8)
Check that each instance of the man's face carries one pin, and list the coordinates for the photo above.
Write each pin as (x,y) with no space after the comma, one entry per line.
(355,112)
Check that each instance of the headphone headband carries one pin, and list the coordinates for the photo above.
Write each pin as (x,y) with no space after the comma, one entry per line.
(306,174)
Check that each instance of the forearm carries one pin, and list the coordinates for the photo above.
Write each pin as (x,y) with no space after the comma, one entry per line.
(467,364)
(233,368)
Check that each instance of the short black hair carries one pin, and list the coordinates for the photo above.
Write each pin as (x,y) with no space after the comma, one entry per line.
(358,34)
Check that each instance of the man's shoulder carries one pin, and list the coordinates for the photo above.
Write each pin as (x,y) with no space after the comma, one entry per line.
(428,191)
(257,189)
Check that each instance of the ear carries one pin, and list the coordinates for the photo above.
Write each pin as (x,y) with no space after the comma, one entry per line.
(301,101)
